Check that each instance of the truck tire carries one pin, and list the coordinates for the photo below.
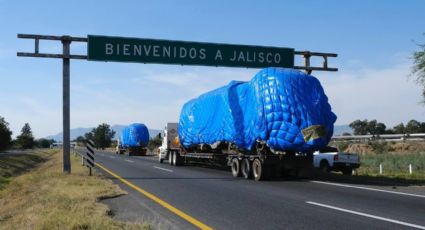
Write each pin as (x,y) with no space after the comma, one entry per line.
(174,159)
(347,172)
(160,160)
(324,166)
(236,167)
(177,159)
(259,171)
(170,158)
(246,168)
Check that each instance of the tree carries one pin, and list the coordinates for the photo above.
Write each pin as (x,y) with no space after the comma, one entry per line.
(80,139)
(26,139)
(399,129)
(375,128)
(414,126)
(102,136)
(419,67)
(5,134)
(368,127)
(359,127)
(155,142)
(44,143)
(89,135)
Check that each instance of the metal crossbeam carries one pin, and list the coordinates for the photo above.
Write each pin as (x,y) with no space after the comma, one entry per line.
(50,37)
(37,39)
(307,66)
(44,55)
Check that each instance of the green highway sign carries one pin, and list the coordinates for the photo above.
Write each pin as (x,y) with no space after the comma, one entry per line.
(106,48)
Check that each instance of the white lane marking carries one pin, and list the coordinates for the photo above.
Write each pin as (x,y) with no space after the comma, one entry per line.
(367,215)
(370,189)
(112,157)
(168,170)
(129,161)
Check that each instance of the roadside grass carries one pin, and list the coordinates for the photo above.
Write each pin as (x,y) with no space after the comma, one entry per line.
(47,198)
(13,164)
(394,165)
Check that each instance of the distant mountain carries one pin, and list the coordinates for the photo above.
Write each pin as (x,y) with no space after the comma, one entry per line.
(74,133)
(340,129)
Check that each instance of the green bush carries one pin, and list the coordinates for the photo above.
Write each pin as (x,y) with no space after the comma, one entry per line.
(380,147)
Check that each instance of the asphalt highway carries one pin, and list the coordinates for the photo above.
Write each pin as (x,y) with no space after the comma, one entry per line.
(215,199)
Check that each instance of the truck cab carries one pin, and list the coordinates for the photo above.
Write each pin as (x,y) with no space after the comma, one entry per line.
(170,134)
(119,149)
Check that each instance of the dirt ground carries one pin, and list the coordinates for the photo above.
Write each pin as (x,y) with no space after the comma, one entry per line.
(393,147)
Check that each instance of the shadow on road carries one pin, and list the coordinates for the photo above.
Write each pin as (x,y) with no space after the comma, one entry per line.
(175,178)
(313,175)
(337,178)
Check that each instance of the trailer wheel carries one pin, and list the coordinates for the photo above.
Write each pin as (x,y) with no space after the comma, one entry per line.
(236,167)
(174,159)
(177,159)
(258,170)
(246,168)
(170,158)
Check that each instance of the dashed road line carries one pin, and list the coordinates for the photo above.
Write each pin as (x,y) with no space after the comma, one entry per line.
(367,215)
(168,170)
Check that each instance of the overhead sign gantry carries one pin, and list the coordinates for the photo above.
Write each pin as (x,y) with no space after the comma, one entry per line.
(143,50)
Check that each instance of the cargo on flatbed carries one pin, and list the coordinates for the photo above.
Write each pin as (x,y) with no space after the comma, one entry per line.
(260,128)
(133,140)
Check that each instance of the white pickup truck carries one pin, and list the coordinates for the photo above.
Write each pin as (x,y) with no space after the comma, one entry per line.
(330,159)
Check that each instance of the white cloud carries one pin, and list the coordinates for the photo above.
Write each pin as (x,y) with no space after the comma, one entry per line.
(383,94)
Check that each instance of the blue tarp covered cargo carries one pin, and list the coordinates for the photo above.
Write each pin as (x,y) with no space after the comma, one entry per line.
(287,109)
(134,135)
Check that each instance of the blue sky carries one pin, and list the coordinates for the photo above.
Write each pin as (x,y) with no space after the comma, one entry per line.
(374,41)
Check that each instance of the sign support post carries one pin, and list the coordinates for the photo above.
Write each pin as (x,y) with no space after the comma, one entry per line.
(65,56)
(66,41)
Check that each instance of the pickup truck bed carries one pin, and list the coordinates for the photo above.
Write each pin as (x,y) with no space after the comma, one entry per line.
(332,160)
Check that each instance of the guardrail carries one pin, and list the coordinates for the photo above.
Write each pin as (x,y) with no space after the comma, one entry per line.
(386,137)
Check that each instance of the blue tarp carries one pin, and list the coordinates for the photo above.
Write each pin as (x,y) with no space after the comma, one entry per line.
(285,108)
(134,135)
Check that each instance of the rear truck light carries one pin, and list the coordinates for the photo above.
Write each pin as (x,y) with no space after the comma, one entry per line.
(336,157)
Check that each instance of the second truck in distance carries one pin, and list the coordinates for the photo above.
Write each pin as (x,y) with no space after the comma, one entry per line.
(133,140)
